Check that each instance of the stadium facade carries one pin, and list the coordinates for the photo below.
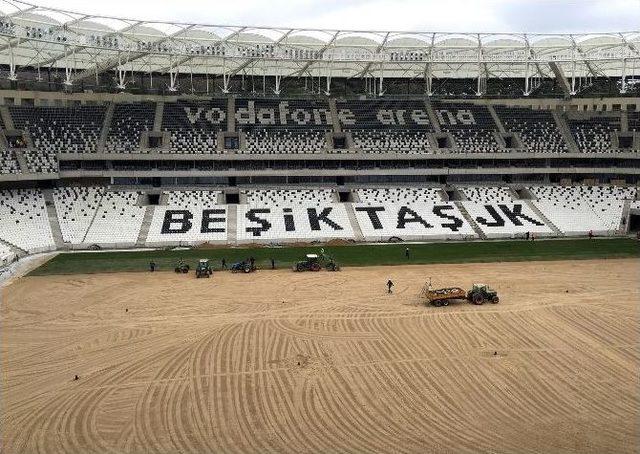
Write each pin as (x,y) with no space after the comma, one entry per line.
(121,133)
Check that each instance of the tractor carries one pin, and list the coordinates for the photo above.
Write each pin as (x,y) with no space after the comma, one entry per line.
(203,269)
(482,293)
(243,266)
(315,262)
(479,294)
(182,267)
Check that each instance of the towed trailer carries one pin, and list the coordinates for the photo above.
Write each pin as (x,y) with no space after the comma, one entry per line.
(479,294)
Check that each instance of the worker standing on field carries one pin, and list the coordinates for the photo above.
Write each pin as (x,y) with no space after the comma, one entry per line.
(389,285)
(406,252)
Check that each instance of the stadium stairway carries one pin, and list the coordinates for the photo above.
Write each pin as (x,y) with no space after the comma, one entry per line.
(432,116)
(564,131)
(470,220)
(624,219)
(22,161)
(53,218)
(496,119)
(542,216)
(146,225)
(16,250)
(337,127)
(232,227)
(6,117)
(357,231)
(157,120)
(106,125)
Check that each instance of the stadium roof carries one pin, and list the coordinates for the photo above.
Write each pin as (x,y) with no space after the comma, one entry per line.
(85,45)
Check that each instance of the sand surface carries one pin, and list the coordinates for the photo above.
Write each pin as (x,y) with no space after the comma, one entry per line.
(323,362)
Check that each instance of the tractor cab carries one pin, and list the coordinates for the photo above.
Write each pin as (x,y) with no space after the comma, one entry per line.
(203,269)
(481,293)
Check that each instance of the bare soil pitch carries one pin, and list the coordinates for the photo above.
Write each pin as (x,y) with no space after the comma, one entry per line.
(323,362)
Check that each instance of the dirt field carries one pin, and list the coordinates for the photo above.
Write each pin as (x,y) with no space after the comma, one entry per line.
(322,362)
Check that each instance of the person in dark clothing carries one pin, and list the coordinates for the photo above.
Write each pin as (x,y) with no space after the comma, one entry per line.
(224,264)
(252,261)
(152,266)
(527,236)
(76,378)
(590,234)
(389,285)
(273,264)
(406,253)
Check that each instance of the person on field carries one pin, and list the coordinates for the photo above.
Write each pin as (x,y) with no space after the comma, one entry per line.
(152,266)
(224,263)
(273,264)
(590,234)
(389,285)
(527,236)
(406,253)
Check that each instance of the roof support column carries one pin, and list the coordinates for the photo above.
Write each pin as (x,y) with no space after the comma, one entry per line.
(428,79)
(12,64)
(623,82)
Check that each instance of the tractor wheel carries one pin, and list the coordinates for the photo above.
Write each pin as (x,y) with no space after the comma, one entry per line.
(495,300)
(445,302)
(247,269)
(331,267)
(477,298)
(437,303)
(315,267)
(299,267)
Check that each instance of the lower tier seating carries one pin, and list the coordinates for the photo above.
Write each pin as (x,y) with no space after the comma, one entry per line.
(118,219)
(24,221)
(188,217)
(576,210)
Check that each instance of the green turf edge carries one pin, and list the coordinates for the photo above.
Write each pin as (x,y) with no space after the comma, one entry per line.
(352,255)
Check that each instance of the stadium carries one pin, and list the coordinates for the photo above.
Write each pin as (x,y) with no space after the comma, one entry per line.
(408,177)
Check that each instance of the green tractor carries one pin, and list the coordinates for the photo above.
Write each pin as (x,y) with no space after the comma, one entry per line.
(182,267)
(482,293)
(203,269)
(315,262)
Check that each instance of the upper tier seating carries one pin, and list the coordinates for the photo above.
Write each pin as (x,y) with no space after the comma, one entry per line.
(594,134)
(8,162)
(128,123)
(471,126)
(76,208)
(386,126)
(578,209)
(284,142)
(381,141)
(61,129)
(118,219)
(184,219)
(24,221)
(537,128)
(194,126)
(40,162)
(283,126)
(487,194)
(287,197)
(399,195)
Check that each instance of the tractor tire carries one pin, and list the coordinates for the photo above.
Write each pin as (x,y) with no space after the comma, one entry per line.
(495,300)
(445,302)
(299,268)
(437,303)
(477,299)
(247,269)
(315,267)
(331,267)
